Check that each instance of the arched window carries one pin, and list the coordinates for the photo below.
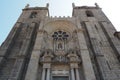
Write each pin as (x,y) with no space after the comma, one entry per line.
(60,35)
(89,14)
(59,39)
(33,15)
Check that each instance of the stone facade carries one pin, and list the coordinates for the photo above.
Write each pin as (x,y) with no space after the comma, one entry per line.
(85,46)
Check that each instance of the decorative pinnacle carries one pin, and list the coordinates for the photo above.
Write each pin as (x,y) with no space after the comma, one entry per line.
(96,5)
(73,5)
(27,6)
(47,5)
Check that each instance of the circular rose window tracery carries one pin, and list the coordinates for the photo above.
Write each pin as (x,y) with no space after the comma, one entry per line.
(60,35)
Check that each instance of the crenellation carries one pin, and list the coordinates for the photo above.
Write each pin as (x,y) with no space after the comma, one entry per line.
(59,17)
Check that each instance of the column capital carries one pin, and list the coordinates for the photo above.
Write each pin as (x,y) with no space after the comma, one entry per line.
(46,65)
(73,65)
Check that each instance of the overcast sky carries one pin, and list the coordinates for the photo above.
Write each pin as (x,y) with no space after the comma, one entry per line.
(10,10)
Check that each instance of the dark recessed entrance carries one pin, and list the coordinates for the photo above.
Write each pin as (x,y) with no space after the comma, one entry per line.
(60,78)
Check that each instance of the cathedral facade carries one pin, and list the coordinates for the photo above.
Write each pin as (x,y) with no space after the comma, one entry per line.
(85,46)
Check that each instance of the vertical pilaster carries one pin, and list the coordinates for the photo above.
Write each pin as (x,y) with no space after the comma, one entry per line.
(19,65)
(6,46)
(11,36)
(109,30)
(87,66)
(34,60)
(15,74)
(26,42)
(86,61)
(100,59)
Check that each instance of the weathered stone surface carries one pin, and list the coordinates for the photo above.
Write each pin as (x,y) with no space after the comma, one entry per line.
(81,47)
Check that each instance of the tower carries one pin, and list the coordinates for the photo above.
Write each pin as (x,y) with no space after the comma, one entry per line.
(85,46)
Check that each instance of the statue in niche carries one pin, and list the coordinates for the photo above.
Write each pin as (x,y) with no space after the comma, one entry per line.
(60,46)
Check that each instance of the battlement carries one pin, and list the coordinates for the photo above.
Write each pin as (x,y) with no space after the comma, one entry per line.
(59,17)
(85,7)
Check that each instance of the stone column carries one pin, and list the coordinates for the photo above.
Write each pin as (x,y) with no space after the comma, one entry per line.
(77,74)
(86,61)
(48,74)
(46,65)
(74,65)
(74,71)
(72,74)
(46,71)
(34,60)
(43,73)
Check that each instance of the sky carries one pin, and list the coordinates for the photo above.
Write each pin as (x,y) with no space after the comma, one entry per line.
(10,10)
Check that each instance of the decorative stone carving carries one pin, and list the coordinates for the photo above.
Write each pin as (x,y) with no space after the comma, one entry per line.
(59,72)
(46,56)
(97,5)
(27,6)
(59,38)
(73,56)
(60,59)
